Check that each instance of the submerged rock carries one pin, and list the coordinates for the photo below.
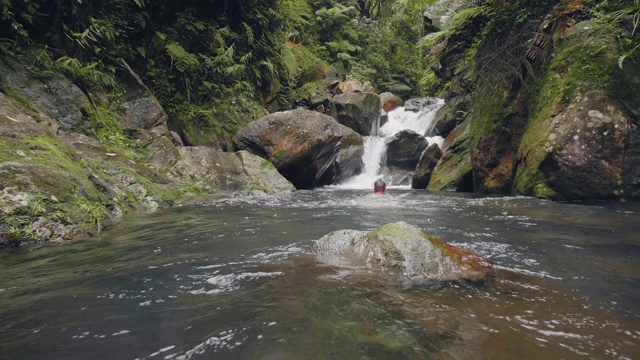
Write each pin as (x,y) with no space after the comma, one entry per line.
(402,249)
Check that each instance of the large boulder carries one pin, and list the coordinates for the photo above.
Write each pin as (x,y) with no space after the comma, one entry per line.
(301,144)
(404,149)
(583,139)
(401,250)
(217,172)
(427,163)
(454,171)
(584,154)
(52,95)
(349,161)
(403,152)
(358,111)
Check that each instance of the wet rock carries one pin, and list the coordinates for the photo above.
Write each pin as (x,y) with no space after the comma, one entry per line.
(349,161)
(53,96)
(402,250)
(404,149)
(301,144)
(418,104)
(390,101)
(453,171)
(358,111)
(425,168)
(448,117)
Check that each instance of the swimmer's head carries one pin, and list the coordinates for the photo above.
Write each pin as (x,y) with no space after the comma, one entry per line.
(380,187)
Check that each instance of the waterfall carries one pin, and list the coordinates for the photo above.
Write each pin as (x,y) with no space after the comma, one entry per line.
(375,148)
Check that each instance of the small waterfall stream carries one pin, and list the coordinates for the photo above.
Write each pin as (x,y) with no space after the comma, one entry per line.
(375,146)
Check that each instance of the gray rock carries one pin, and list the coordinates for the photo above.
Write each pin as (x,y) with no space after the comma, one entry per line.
(585,151)
(400,250)
(418,104)
(358,111)
(53,96)
(262,175)
(427,163)
(213,170)
(404,149)
(349,161)
(224,172)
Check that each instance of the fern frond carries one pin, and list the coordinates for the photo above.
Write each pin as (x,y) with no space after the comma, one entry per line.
(249,31)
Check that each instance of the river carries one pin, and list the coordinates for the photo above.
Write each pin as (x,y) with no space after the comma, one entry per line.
(235,279)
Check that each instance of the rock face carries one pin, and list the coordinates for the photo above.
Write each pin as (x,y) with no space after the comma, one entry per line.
(349,161)
(427,163)
(402,250)
(584,153)
(358,111)
(448,117)
(53,96)
(217,171)
(57,184)
(454,170)
(301,144)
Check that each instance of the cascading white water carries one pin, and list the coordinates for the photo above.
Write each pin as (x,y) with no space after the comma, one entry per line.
(375,148)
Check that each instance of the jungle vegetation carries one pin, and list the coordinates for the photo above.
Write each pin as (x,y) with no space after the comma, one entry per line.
(217,64)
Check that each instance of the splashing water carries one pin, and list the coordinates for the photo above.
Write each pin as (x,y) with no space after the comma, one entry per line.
(375,146)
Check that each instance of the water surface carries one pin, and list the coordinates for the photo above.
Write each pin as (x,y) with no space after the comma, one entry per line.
(235,279)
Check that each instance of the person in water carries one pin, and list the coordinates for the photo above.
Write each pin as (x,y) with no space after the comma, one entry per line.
(380,187)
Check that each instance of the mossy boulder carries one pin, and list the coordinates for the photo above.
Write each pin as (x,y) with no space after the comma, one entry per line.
(401,250)
(582,137)
(262,175)
(454,170)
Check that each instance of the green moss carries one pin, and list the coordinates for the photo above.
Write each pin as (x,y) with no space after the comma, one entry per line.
(586,60)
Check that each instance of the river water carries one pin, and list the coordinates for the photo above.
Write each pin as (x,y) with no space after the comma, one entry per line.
(235,279)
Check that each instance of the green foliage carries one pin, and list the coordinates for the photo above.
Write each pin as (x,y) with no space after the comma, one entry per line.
(182,59)
(93,213)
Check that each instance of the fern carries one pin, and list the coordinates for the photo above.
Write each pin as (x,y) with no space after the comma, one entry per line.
(182,59)
(250,37)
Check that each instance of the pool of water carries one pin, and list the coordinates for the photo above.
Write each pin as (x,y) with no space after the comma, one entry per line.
(236,279)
